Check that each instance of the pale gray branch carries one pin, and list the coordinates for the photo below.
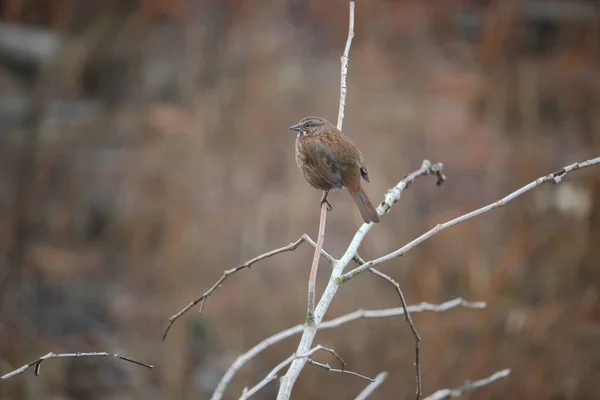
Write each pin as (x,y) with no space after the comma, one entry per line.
(272,375)
(344,68)
(313,320)
(371,387)
(468,386)
(555,177)
(328,368)
(334,323)
(37,363)
(310,330)
(312,279)
(202,299)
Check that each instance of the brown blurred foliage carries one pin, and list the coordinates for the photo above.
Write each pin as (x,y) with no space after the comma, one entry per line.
(147,151)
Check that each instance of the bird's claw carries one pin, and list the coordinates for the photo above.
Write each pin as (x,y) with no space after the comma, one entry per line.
(324,200)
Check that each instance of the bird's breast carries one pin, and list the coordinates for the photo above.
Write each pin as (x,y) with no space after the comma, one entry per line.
(300,153)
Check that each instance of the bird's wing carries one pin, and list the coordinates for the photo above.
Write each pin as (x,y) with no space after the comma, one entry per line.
(347,157)
(322,163)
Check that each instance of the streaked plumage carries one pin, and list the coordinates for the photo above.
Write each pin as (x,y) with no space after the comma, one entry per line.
(329,160)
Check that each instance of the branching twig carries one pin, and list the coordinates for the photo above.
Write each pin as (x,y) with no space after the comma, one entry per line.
(393,195)
(328,368)
(371,387)
(309,331)
(410,323)
(37,363)
(334,323)
(310,315)
(468,386)
(272,375)
(312,291)
(202,299)
(287,381)
(555,177)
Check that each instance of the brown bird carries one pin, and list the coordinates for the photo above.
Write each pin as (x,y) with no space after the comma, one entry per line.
(329,160)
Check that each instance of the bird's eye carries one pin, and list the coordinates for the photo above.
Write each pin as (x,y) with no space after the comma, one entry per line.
(306,125)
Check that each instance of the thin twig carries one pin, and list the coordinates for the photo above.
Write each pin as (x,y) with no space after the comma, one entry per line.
(288,380)
(468,386)
(410,322)
(344,67)
(290,247)
(328,368)
(334,323)
(555,177)
(310,314)
(37,363)
(272,375)
(426,169)
(397,311)
(312,279)
(371,387)
(393,195)
(336,355)
(309,331)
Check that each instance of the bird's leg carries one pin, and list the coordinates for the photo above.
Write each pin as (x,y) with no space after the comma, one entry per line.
(324,200)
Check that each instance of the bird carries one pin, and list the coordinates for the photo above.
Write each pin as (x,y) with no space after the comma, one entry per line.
(329,160)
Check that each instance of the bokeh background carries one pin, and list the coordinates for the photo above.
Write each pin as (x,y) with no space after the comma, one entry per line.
(144,149)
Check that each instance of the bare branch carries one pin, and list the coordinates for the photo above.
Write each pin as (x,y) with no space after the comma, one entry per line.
(250,354)
(272,375)
(393,195)
(371,387)
(328,368)
(310,314)
(37,363)
(468,386)
(410,323)
(310,330)
(316,316)
(312,279)
(555,177)
(344,67)
(290,247)
(287,381)
(334,323)
(397,311)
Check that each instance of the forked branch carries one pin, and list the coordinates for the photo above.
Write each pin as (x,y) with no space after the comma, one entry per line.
(202,299)
(468,386)
(36,364)
(555,177)
(272,375)
(334,323)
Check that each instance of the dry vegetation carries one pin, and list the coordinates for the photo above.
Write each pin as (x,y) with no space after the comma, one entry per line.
(151,153)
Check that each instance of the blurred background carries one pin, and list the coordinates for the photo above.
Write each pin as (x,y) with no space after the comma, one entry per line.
(144,149)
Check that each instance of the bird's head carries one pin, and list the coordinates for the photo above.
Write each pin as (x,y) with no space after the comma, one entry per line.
(310,125)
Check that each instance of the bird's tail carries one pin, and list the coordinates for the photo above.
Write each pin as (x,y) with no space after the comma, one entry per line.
(367,211)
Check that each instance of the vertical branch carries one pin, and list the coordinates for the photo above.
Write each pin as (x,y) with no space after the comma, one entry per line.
(344,71)
(289,379)
(310,315)
(410,322)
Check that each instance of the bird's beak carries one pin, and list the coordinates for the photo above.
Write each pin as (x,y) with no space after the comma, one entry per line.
(296,128)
